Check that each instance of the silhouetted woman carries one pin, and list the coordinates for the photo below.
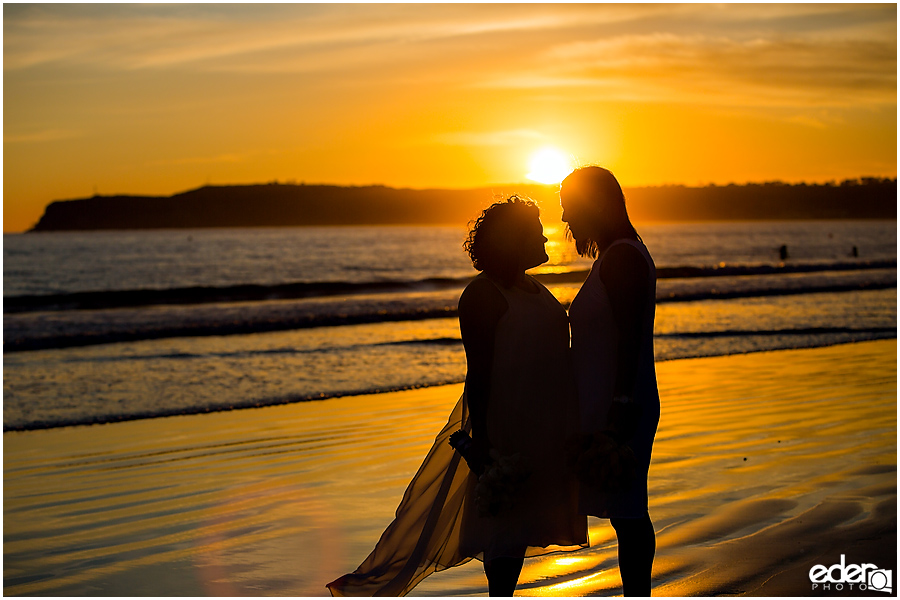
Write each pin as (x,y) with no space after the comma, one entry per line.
(511,497)
(612,352)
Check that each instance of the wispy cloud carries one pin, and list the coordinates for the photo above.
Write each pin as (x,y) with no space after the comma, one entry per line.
(771,54)
(814,121)
(142,37)
(48,135)
(706,69)
(398,93)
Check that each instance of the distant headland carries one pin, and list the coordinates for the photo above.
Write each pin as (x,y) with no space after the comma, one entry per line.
(284,205)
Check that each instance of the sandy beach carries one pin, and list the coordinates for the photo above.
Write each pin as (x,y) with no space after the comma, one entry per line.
(765,465)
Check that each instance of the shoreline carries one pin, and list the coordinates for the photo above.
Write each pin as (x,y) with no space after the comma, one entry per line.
(765,464)
(341,394)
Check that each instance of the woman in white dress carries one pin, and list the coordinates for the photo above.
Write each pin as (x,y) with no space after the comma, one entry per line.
(612,351)
(520,408)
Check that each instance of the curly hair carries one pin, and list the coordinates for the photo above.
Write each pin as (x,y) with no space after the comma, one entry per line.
(484,246)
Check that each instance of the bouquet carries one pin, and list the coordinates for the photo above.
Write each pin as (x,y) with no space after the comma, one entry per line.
(605,460)
(500,478)
(602,462)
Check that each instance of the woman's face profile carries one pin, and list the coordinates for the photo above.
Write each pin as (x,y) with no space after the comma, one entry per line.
(532,244)
(572,215)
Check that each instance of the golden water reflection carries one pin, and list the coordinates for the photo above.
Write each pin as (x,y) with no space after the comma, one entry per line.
(560,251)
(763,462)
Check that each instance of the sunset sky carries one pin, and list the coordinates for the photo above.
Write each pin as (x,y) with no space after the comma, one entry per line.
(157,99)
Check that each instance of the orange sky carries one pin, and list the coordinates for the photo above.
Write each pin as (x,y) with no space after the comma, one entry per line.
(156,99)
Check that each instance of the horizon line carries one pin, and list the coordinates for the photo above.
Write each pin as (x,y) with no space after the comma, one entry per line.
(300,183)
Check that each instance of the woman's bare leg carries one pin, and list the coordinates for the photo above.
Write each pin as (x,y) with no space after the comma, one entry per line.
(503,574)
(637,547)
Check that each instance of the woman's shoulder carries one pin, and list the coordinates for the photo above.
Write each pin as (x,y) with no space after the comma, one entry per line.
(627,269)
(538,286)
(482,294)
(626,252)
(480,284)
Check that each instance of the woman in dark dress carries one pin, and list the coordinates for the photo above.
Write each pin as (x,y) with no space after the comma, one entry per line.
(612,352)
(518,411)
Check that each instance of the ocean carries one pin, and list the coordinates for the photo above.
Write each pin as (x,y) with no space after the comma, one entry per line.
(108,326)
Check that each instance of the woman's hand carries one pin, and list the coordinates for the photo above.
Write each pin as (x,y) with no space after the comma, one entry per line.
(476,454)
(481,456)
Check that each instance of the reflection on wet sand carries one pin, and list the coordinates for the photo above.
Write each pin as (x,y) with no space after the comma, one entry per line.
(765,465)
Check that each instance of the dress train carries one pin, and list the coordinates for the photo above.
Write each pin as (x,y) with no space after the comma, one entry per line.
(425,533)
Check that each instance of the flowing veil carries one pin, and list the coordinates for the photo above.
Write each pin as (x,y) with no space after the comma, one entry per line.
(424,536)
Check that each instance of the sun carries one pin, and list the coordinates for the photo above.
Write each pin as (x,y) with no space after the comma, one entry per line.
(549,165)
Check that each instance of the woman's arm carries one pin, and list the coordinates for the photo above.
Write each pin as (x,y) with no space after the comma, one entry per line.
(625,273)
(480,308)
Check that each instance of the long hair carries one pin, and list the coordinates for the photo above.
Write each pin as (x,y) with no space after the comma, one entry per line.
(492,243)
(598,189)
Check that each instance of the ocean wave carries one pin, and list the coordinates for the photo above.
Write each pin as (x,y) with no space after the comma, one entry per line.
(210,295)
(793,331)
(191,375)
(179,356)
(115,417)
(449,341)
(669,347)
(62,329)
(104,299)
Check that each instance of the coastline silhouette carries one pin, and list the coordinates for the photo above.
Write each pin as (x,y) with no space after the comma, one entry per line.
(285,205)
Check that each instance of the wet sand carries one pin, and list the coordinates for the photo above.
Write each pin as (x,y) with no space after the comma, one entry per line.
(765,465)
